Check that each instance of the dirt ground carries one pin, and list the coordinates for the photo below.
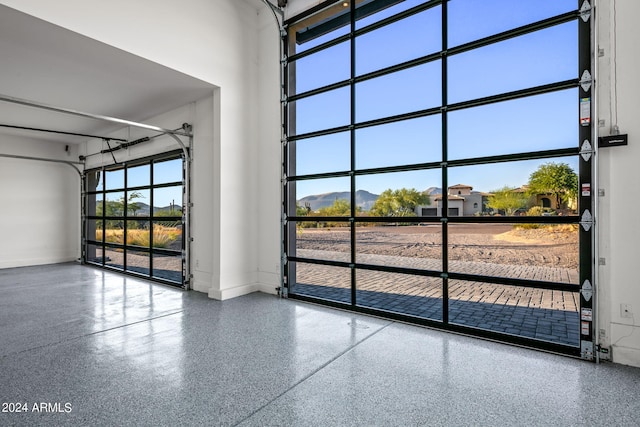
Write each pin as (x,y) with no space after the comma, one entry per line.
(496,243)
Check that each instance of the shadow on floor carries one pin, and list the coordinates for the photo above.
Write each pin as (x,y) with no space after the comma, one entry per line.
(556,326)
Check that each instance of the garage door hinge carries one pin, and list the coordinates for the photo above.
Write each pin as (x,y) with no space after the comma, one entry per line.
(586,80)
(586,221)
(586,150)
(587,290)
(585,11)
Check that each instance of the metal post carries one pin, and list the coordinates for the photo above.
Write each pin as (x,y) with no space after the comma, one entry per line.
(281,40)
(186,209)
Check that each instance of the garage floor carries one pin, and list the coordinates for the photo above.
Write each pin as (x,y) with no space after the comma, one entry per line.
(81,346)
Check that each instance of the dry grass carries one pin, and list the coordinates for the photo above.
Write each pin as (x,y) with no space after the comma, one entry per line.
(163,237)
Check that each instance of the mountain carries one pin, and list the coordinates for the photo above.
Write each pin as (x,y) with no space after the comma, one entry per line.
(144,209)
(433,191)
(364,199)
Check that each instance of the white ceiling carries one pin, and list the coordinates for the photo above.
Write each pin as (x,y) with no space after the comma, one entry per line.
(48,64)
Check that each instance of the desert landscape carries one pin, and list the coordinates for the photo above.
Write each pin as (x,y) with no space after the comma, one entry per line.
(547,254)
(555,246)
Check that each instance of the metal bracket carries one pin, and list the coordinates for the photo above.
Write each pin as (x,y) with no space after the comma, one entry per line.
(586,150)
(586,290)
(586,350)
(586,221)
(585,11)
(586,80)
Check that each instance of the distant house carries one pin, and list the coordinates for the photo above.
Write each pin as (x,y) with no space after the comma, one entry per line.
(546,200)
(462,201)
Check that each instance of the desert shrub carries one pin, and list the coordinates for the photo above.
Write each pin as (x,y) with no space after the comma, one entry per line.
(111,235)
(535,211)
(163,237)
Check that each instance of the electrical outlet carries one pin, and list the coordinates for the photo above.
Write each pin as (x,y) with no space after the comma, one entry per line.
(626,310)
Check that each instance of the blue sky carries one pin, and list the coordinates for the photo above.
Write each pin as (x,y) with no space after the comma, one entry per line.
(138,176)
(542,122)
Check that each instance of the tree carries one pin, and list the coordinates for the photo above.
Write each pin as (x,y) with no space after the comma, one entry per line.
(340,207)
(507,199)
(131,205)
(557,179)
(402,202)
(303,211)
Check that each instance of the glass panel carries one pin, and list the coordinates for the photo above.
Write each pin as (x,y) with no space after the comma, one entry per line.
(417,246)
(472,19)
(114,204)
(543,57)
(94,180)
(138,233)
(94,254)
(529,251)
(114,179)
(321,195)
(138,262)
(534,313)
(472,131)
(328,153)
(321,240)
(138,176)
(413,37)
(114,257)
(138,202)
(528,187)
(167,201)
(400,293)
(167,235)
(167,171)
(324,111)
(399,194)
(167,267)
(327,66)
(400,143)
(412,89)
(370,15)
(322,281)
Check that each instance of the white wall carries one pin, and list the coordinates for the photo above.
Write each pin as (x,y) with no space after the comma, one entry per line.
(40,221)
(217,42)
(618,89)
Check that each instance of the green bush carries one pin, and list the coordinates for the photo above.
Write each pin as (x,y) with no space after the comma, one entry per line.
(535,211)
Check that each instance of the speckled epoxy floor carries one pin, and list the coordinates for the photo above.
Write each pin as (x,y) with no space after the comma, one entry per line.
(101,349)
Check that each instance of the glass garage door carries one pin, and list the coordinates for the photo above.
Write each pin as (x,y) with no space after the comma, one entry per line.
(438,165)
(134,218)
